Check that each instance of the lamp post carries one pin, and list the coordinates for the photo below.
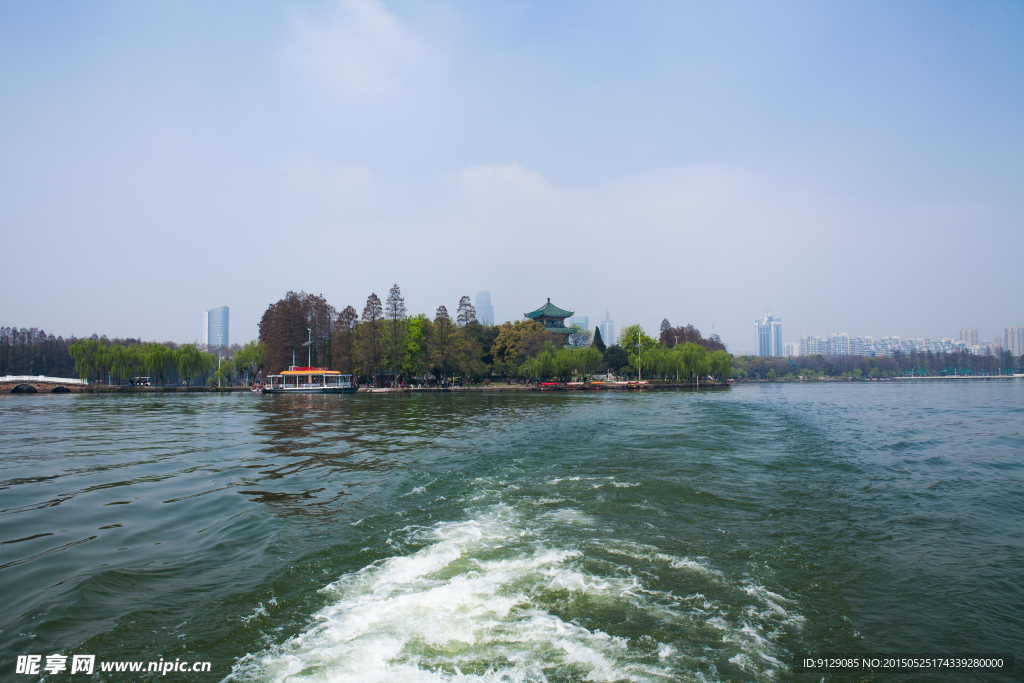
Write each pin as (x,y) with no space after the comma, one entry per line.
(674,348)
(639,371)
(309,348)
(220,348)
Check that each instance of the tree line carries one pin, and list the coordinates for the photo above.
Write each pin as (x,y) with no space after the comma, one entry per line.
(900,364)
(385,342)
(31,351)
(118,361)
(100,360)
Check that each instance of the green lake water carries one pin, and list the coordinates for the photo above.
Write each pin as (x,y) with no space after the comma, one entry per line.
(658,536)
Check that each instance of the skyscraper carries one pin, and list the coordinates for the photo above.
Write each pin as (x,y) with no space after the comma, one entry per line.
(607,327)
(582,321)
(969,335)
(1014,338)
(215,327)
(768,336)
(484,310)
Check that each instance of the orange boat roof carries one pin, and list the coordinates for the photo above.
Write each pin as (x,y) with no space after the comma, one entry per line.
(311,371)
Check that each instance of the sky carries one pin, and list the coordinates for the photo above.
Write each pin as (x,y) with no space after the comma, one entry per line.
(850,166)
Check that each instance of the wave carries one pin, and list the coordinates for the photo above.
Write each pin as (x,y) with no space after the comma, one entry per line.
(493,599)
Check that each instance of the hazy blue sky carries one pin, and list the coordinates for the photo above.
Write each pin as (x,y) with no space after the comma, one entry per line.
(853,166)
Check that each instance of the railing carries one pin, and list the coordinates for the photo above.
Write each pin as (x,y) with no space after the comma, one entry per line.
(41,378)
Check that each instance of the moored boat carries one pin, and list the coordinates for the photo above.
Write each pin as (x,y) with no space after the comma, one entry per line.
(308,380)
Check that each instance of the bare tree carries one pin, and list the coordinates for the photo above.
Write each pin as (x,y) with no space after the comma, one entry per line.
(578,337)
(343,344)
(289,323)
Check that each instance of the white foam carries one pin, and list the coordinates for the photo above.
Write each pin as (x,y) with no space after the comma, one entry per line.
(259,611)
(476,602)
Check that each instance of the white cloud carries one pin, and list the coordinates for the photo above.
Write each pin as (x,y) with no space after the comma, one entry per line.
(349,182)
(357,45)
(503,181)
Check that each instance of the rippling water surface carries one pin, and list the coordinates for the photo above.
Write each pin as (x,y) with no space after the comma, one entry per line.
(507,537)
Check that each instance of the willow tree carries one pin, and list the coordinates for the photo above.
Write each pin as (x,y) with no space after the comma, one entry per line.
(638,345)
(187,360)
(693,360)
(157,360)
(85,353)
(720,363)
(249,359)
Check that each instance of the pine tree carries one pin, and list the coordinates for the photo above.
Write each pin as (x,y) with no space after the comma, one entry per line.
(371,334)
(395,313)
(598,342)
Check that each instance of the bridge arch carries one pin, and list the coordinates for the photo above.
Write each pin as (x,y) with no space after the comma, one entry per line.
(60,390)
(24,389)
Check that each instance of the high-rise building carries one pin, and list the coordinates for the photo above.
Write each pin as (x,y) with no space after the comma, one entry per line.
(790,350)
(839,344)
(215,327)
(768,336)
(607,327)
(969,335)
(484,310)
(582,321)
(1014,340)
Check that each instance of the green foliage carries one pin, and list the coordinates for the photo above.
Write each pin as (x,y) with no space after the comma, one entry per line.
(416,350)
(249,359)
(638,345)
(159,360)
(615,357)
(517,342)
(578,336)
(565,363)
(444,339)
(188,360)
(86,354)
(598,341)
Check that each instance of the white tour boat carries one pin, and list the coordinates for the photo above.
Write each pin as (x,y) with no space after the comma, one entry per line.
(299,380)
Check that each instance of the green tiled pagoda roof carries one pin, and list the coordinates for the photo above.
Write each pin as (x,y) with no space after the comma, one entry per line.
(549,310)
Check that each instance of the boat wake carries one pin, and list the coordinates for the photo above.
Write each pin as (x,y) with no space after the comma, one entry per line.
(489,599)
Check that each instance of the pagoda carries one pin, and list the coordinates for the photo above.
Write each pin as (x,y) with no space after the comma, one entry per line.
(551,317)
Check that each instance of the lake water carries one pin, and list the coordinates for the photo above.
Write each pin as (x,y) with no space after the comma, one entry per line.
(706,535)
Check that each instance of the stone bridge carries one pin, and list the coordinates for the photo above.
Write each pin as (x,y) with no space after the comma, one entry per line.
(38,384)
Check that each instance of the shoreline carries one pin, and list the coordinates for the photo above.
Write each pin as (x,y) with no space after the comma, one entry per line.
(496,388)
(506,388)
